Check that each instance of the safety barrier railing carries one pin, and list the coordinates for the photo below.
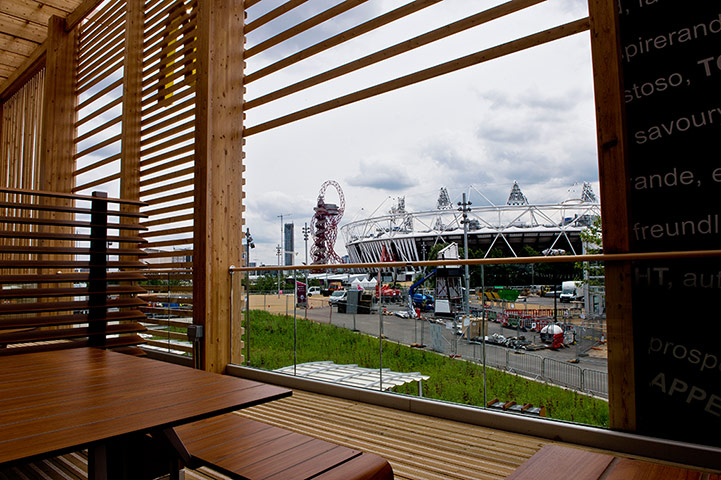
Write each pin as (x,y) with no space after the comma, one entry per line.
(282,334)
(169,310)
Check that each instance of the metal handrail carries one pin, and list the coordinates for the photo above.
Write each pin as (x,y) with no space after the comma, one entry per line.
(604,257)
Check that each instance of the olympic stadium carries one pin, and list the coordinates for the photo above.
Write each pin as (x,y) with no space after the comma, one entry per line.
(550,229)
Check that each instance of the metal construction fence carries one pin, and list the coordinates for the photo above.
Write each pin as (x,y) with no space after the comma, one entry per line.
(549,370)
(592,381)
(449,338)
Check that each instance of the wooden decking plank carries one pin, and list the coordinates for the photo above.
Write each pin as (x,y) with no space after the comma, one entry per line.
(433,439)
(399,426)
(406,445)
(418,423)
(406,465)
(438,461)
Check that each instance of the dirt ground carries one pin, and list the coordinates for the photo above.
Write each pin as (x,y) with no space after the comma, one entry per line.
(283,304)
(599,352)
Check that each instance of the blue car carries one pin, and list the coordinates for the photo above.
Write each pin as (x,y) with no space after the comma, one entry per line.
(423,301)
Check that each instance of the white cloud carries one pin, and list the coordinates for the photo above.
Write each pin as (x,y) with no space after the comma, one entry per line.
(527,117)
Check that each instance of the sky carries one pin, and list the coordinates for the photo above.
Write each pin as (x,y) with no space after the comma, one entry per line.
(527,117)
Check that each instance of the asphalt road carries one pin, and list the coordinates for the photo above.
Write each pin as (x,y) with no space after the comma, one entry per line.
(411,331)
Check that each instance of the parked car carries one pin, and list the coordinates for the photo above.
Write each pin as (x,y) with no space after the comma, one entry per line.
(337,296)
(423,301)
(313,291)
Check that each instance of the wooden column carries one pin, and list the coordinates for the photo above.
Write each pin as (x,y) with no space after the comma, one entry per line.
(613,174)
(218,176)
(132,95)
(131,116)
(56,162)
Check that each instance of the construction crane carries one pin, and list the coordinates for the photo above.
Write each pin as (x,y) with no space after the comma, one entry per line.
(324,226)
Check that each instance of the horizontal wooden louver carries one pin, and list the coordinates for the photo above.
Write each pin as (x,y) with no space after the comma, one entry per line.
(61,289)
(99,90)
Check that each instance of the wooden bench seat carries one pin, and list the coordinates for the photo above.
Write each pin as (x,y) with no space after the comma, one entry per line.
(554,461)
(247,449)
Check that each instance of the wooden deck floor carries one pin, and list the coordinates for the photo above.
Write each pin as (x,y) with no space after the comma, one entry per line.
(418,447)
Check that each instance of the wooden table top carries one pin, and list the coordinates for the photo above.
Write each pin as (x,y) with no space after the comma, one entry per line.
(53,402)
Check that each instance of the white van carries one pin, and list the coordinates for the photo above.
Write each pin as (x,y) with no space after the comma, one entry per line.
(313,291)
(337,296)
(571,291)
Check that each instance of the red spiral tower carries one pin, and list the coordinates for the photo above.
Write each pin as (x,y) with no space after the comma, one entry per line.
(324,226)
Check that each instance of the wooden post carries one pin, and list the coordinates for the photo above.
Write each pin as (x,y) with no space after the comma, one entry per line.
(613,174)
(218,174)
(56,155)
(131,116)
(132,95)
(56,161)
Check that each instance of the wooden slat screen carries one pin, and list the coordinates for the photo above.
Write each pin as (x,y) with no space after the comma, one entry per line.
(165,131)
(159,115)
(63,290)
(20,143)
(169,309)
(99,91)
(167,166)
(20,135)
(327,18)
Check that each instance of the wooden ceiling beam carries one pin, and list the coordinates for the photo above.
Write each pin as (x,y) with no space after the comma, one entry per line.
(22,74)
(22,29)
(83,10)
(30,10)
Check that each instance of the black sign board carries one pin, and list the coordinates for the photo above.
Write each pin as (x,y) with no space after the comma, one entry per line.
(671,58)
(352,299)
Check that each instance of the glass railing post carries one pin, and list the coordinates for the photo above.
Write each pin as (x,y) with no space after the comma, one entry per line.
(380,331)
(167,308)
(483,331)
(247,318)
(295,322)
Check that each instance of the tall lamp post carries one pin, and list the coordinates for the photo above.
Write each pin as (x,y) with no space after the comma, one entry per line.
(465,208)
(248,245)
(306,232)
(281,247)
(277,252)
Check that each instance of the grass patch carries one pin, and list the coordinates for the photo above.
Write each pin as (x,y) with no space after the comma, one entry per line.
(452,380)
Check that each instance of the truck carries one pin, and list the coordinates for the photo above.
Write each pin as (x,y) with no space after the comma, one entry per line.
(332,287)
(571,291)
(389,293)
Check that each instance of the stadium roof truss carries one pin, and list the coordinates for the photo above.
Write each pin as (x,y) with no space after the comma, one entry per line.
(406,234)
